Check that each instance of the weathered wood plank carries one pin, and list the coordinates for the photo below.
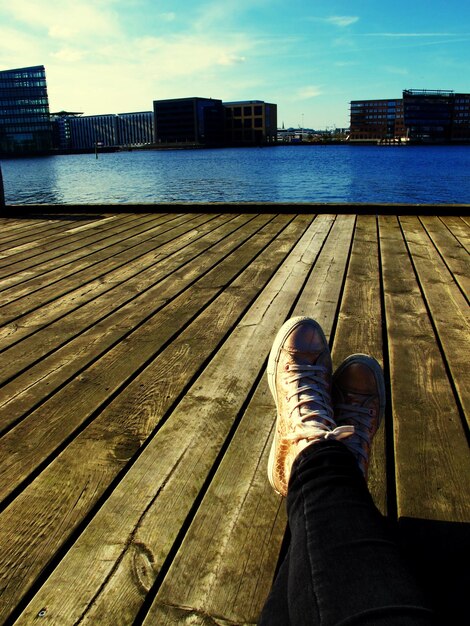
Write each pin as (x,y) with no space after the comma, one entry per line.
(173,467)
(459,228)
(431,454)
(452,321)
(115,313)
(61,320)
(19,291)
(359,329)
(455,256)
(239,525)
(44,430)
(24,233)
(50,247)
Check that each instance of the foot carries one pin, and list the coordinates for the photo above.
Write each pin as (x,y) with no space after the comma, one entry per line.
(299,376)
(359,401)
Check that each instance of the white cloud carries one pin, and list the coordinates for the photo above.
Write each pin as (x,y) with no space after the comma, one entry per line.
(231,59)
(66,19)
(308,91)
(412,35)
(399,71)
(68,55)
(342,20)
(167,17)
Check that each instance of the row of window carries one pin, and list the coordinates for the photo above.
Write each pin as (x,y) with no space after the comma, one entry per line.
(23,74)
(39,110)
(247,111)
(34,119)
(14,102)
(15,84)
(247,122)
(31,127)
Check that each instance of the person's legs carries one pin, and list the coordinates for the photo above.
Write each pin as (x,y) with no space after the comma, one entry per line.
(343,566)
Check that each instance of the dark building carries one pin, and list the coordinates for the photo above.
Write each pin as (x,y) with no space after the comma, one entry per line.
(61,139)
(250,122)
(428,115)
(25,127)
(420,117)
(460,131)
(375,121)
(190,121)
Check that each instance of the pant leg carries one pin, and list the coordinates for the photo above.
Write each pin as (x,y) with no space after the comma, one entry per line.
(344,566)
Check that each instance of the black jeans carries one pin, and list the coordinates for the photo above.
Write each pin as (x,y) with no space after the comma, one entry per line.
(343,565)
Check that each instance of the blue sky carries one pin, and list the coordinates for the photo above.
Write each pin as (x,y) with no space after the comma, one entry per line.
(311,57)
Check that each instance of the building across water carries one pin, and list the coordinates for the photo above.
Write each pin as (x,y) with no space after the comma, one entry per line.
(25,126)
(420,116)
(250,122)
(209,122)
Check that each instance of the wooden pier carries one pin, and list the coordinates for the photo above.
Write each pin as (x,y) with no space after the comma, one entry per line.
(135,418)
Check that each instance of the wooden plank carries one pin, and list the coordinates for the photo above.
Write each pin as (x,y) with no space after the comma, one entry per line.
(67,265)
(24,233)
(115,313)
(359,329)
(452,321)
(43,246)
(11,227)
(455,256)
(144,257)
(26,446)
(240,524)
(224,569)
(161,487)
(431,453)
(460,229)
(18,248)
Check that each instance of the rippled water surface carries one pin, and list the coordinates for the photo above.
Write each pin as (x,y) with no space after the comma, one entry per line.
(279,174)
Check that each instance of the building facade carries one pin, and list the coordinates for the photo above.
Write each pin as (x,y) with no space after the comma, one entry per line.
(189,121)
(209,122)
(135,129)
(375,121)
(419,117)
(250,122)
(74,131)
(428,115)
(25,127)
(460,131)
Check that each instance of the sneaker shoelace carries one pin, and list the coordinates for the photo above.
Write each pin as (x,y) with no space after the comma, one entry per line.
(361,417)
(311,425)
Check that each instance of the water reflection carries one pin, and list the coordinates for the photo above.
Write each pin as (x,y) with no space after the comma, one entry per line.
(31,180)
(280,174)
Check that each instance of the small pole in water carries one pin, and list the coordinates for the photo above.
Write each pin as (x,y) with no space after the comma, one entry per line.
(96,149)
(2,193)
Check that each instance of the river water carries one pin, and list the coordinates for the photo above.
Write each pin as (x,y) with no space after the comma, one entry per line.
(342,173)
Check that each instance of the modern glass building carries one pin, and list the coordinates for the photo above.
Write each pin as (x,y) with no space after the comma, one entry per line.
(428,115)
(422,116)
(25,127)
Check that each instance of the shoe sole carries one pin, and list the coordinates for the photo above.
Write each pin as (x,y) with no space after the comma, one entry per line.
(374,365)
(273,360)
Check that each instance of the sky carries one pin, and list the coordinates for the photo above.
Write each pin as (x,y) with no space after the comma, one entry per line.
(310,57)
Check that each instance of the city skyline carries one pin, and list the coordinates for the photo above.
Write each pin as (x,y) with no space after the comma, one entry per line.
(311,59)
